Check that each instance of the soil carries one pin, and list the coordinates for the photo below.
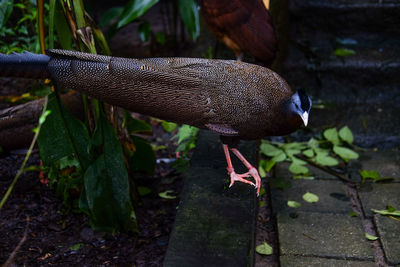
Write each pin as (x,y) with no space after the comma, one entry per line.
(51,235)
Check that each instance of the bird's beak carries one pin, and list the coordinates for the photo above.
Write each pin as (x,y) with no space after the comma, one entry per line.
(304,117)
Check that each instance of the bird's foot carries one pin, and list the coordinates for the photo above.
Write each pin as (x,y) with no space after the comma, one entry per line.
(240,178)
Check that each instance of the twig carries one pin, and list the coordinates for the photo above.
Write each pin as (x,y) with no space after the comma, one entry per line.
(325,169)
(21,242)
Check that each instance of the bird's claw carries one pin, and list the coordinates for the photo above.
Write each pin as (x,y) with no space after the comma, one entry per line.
(240,178)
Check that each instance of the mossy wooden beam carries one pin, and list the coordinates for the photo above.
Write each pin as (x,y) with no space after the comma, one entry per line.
(215,224)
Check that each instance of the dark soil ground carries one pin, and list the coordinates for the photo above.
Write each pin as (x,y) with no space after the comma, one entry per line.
(54,236)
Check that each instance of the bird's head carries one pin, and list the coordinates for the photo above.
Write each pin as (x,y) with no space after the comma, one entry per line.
(299,105)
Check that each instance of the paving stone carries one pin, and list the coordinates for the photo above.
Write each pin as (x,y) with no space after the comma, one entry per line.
(387,163)
(322,235)
(298,261)
(282,170)
(332,197)
(378,196)
(388,230)
(215,224)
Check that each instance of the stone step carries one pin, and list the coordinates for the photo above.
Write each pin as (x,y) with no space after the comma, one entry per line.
(370,76)
(343,17)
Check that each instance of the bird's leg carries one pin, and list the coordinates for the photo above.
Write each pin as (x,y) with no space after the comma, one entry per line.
(240,177)
(252,171)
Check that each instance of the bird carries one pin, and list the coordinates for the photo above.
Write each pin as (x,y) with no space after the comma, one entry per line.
(243,26)
(234,99)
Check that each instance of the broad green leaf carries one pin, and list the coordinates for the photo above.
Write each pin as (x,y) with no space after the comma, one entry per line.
(143,190)
(346,135)
(264,249)
(270,150)
(345,153)
(6,8)
(310,197)
(344,52)
(293,204)
(189,12)
(144,31)
(64,34)
(169,126)
(332,136)
(109,15)
(62,135)
(136,126)
(166,194)
(298,169)
(294,145)
(106,182)
(308,153)
(134,9)
(374,175)
(298,161)
(269,165)
(371,237)
(144,158)
(186,132)
(279,158)
(261,171)
(387,212)
(326,160)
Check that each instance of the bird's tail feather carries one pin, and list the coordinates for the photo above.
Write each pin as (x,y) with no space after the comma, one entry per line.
(26,65)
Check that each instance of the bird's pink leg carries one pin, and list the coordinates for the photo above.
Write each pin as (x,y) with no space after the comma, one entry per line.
(240,177)
(252,171)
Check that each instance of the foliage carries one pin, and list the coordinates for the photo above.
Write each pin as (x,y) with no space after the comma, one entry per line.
(310,197)
(325,150)
(390,210)
(374,176)
(264,249)
(19,36)
(187,136)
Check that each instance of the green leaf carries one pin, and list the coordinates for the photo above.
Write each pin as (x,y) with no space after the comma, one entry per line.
(107,183)
(345,153)
(264,249)
(293,204)
(261,171)
(269,165)
(77,246)
(270,150)
(169,126)
(143,190)
(144,31)
(166,194)
(298,169)
(353,214)
(279,158)
(326,160)
(344,52)
(64,34)
(135,126)
(374,175)
(62,135)
(304,177)
(346,135)
(262,191)
(332,136)
(109,15)
(186,132)
(308,153)
(371,237)
(261,203)
(144,158)
(160,37)
(387,212)
(134,9)
(310,197)
(189,12)
(6,8)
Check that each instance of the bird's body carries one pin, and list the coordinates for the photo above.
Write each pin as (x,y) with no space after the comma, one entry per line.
(243,25)
(232,98)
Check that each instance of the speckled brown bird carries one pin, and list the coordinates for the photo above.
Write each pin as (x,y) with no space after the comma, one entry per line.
(234,99)
(243,25)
